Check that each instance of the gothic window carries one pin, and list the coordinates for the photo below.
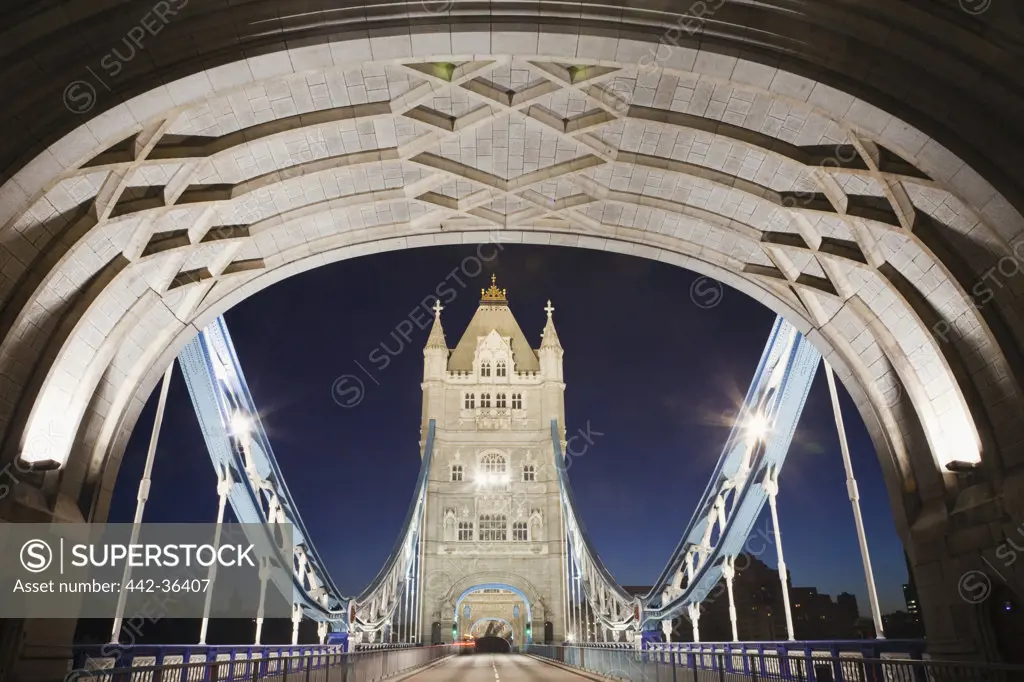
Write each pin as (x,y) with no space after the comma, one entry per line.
(456,472)
(492,464)
(493,528)
(517,401)
(500,369)
(465,531)
(470,401)
(485,400)
(519,531)
(529,473)
(499,400)
(485,369)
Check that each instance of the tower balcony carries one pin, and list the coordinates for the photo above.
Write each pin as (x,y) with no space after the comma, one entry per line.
(496,418)
(493,418)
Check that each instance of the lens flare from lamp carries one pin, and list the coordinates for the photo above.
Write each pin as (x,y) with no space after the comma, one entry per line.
(757,427)
(241,423)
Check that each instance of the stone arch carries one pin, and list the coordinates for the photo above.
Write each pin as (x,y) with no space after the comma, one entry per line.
(536,606)
(875,249)
(498,585)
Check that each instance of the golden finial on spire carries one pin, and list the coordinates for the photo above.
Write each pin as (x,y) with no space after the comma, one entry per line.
(493,294)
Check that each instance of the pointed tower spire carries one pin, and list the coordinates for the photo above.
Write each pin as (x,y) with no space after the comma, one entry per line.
(553,383)
(549,337)
(436,339)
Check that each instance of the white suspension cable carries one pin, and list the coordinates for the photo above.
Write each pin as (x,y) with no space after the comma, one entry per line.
(854,494)
(142,497)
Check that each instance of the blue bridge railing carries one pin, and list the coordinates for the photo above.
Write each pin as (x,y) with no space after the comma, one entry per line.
(848,661)
(312,663)
(118,656)
(866,648)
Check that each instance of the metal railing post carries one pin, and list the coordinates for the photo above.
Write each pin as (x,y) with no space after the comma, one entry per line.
(809,657)
(837,668)
(783,656)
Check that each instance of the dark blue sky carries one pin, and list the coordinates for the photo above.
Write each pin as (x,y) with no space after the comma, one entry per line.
(645,366)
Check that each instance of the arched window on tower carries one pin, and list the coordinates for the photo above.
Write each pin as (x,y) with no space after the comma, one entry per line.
(485,369)
(485,400)
(500,369)
(520,532)
(529,472)
(499,400)
(492,463)
(456,472)
(465,531)
(493,528)
(470,401)
(517,401)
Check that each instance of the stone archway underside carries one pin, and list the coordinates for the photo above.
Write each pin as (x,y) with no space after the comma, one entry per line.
(868,234)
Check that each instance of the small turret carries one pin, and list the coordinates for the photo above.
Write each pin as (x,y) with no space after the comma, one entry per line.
(550,349)
(553,388)
(435,353)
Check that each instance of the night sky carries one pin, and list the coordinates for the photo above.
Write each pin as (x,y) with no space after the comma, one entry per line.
(645,366)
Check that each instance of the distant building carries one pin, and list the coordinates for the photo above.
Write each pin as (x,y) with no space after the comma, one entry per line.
(910,597)
(847,614)
(817,616)
(864,629)
(902,625)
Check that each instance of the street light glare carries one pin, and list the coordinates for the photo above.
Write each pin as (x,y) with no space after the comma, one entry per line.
(241,424)
(757,427)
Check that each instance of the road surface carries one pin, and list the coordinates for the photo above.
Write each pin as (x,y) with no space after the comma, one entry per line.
(495,668)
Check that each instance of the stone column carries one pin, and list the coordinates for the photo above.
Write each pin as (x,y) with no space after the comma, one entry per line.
(30,497)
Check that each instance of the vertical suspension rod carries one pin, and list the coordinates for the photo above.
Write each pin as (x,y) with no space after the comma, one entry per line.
(140,506)
(854,494)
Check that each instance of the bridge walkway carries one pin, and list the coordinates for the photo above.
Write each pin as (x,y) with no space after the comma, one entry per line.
(496,668)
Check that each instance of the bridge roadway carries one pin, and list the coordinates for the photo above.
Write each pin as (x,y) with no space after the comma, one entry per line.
(495,668)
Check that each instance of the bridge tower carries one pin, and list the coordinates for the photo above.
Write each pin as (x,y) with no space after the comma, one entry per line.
(493,517)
